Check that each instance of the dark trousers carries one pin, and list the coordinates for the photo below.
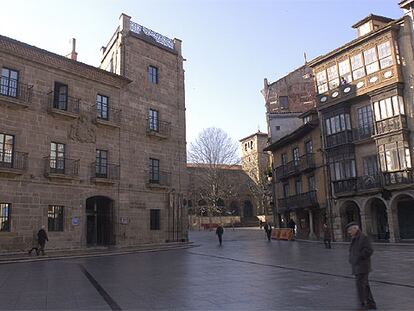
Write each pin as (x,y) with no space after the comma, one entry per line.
(327,243)
(364,291)
(269,234)
(42,247)
(220,237)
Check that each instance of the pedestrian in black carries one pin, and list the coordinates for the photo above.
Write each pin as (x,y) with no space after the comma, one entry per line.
(268,229)
(327,236)
(292,225)
(41,239)
(360,252)
(219,232)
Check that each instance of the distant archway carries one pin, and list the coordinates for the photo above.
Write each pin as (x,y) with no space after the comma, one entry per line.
(349,212)
(248,209)
(99,221)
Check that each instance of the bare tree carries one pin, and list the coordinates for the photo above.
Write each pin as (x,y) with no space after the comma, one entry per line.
(213,152)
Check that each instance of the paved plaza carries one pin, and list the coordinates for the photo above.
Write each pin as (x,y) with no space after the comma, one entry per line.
(246,273)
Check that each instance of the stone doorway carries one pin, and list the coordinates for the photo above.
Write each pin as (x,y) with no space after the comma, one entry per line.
(405,212)
(99,221)
(349,212)
(379,217)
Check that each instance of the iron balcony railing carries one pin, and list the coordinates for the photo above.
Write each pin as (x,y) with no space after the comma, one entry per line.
(12,88)
(109,114)
(68,103)
(156,126)
(105,171)
(391,124)
(367,182)
(160,178)
(302,200)
(14,160)
(62,166)
(362,133)
(303,163)
(340,138)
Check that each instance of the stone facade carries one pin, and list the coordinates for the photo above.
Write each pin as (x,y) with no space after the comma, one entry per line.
(85,157)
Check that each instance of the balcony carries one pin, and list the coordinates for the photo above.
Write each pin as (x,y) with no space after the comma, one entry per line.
(338,139)
(62,168)
(368,182)
(105,173)
(158,128)
(302,200)
(391,124)
(398,178)
(159,179)
(345,185)
(66,107)
(362,133)
(304,163)
(15,93)
(14,163)
(111,117)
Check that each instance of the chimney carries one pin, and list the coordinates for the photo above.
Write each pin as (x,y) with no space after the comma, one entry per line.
(73,55)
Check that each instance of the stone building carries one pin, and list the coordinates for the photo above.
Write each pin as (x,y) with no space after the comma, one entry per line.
(365,102)
(299,178)
(255,163)
(97,156)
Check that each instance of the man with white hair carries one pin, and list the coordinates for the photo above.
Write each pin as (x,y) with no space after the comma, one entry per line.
(360,252)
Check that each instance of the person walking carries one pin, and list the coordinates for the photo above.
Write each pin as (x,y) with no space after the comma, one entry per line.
(219,232)
(292,225)
(268,229)
(327,236)
(41,239)
(360,252)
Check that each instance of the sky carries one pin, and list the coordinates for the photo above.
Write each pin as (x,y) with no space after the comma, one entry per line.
(230,46)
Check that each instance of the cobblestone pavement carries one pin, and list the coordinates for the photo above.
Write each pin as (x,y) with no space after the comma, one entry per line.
(246,273)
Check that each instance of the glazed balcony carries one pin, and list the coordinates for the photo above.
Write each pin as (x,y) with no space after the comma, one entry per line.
(68,107)
(392,124)
(304,163)
(105,173)
(61,168)
(158,128)
(14,163)
(338,139)
(302,200)
(16,93)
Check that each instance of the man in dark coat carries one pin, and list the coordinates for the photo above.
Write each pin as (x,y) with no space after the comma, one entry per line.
(327,236)
(292,225)
(268,229)
(219,232)
(360,252)
(41,239)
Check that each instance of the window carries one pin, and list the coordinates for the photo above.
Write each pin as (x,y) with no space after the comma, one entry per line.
(384,54)
(251,144)
(371,60)
(295,153)
(306,119)
(342,167)
(333,79)
(286,190)
(154,171)
(311,183)
(153,74)
(357,66)
(284,158)
(321,81)
(57,158)
(6,150)
(60,97)
(155,216)
(153,120)
(389,107)
(365,125)
(338,123)
(370,165)
(394,156)
(55,218)
(277,127)
(298,185)
(308,147)
(283,102)
(9,82)
(102,106)
(5,216)
(101,164)
(345,70)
